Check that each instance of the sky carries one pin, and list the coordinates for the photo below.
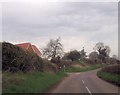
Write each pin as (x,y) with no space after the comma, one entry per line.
(78,24)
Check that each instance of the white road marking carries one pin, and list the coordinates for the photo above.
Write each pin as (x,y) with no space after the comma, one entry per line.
(88,90)
(83,81)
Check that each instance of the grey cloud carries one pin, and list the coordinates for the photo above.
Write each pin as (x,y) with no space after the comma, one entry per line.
(90,21)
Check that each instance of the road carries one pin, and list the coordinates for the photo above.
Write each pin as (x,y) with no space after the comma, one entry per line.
(85,82)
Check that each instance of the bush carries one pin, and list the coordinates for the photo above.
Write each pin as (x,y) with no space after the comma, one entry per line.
(15,59)
(109,74)
(115,69)
(65,63)
(48,66)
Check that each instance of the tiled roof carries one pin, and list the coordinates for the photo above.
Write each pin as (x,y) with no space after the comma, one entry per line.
(36,50)
(25,46)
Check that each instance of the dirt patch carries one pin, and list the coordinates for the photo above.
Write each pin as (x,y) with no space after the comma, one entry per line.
(78,66)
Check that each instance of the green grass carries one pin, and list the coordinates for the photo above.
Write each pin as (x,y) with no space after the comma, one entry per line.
(81,62)
(113,78)
(37,82)
(88,68)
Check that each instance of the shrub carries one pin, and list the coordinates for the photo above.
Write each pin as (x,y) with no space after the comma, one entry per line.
(115,69)
(15,59)
(49,66)
(110,74)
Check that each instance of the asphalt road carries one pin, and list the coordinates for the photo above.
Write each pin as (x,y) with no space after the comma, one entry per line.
(85,82)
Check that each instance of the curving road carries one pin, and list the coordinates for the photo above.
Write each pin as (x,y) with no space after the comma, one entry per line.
(85,82)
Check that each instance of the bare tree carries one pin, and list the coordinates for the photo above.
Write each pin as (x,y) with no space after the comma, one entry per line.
(53,49)
(99,46)
(93,56)
(102,50)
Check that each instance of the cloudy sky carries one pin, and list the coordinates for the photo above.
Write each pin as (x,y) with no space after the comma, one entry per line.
(79,24)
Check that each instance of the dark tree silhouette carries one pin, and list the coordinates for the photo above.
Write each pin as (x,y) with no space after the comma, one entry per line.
(73,55)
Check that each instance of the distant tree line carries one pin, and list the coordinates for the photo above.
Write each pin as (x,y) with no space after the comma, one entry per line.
(15,58)
(54,52)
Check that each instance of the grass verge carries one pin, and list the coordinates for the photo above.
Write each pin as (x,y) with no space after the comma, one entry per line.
(88,68)
(37,82)
(112,78)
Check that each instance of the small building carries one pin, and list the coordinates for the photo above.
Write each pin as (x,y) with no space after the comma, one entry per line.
(30,47)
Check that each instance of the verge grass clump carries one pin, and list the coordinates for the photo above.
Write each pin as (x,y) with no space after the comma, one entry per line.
(88,68)
(36,82)
(110,74)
